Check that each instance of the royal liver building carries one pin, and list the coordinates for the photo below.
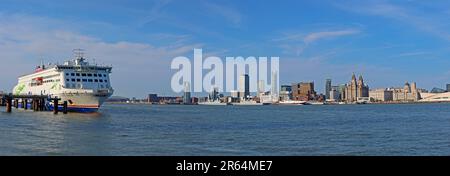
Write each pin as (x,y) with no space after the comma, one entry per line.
(356,89)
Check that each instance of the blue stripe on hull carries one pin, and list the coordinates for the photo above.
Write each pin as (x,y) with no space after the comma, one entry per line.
(73,109)
(60,108)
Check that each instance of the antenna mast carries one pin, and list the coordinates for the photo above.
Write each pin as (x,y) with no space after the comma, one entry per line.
(79,54)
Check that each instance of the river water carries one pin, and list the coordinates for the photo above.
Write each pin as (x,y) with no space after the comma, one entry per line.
(406,129)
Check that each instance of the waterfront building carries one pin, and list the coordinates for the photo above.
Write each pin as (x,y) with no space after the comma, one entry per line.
(420,91)
(341,90)
(355,89)
(152,98)
(334,94)
(170,100)
(351,90)
(214,95)
(414,93)
(437,90)
(266,98)
(287,88)
(187,93)
(407,93)
(407,88)
(328,89)
(319,98)
(234,94)
(286,93)
(274,91)
(261,87)
(381,95)
(195,100)
(435,97)
(244,86)
(303,91)
(448,87)
(115,99)
(231,99)
(363,90)
(398,94)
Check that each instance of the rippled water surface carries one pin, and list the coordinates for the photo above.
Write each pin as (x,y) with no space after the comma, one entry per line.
(416,129)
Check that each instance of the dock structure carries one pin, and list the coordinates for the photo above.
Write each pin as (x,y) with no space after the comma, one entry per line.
(36,102)
(2,101)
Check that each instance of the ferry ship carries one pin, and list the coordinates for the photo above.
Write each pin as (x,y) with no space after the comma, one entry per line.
(83,85)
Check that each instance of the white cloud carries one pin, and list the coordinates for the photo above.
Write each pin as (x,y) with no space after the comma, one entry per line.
(315,36)
(155,12)
(409,54)
(230,14)
(296,43)
(328,34)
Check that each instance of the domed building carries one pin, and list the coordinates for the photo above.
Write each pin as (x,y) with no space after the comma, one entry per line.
(408,93)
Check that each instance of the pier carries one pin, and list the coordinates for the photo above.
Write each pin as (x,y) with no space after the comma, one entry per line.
(36,102)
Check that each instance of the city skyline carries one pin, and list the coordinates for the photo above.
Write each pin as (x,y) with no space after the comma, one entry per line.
(388,42)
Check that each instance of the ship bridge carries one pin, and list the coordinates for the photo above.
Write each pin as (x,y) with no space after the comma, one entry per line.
(80,64)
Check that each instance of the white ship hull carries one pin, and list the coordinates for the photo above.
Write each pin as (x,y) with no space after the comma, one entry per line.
(82,102)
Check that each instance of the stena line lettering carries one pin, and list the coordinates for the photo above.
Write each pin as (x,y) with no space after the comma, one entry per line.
(257,70)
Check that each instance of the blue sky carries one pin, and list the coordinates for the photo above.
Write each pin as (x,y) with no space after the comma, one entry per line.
(388,42)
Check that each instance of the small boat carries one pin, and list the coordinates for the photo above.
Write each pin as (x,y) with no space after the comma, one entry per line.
(248,103)
(213,103)
(291,102)
(315,103)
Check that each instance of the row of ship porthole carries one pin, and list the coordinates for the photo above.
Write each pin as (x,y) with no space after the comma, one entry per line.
(86,74)
(86,80)
(79,86)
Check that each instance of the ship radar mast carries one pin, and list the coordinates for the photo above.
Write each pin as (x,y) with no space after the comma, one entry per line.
(79,57)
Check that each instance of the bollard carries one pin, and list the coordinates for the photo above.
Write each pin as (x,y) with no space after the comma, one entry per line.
(37,105)
(8,104)
(35,102)
(41,104)
(65,107)
(16,103)
(25,104)
(34,106)
(55,106)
